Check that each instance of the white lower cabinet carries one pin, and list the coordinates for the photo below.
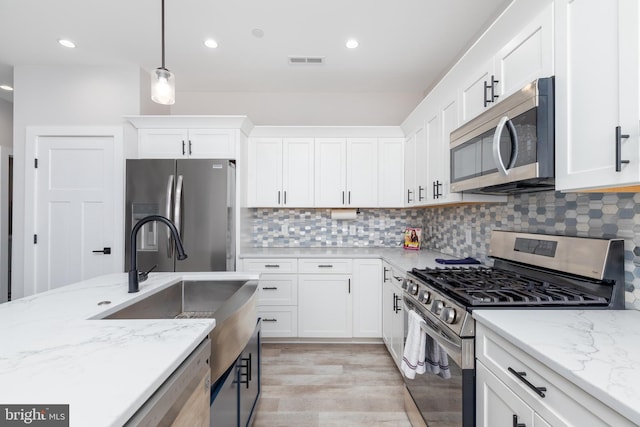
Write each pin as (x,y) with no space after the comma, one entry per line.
(513,388)
(277,295)
(392,312)
(318,297)
(324,306)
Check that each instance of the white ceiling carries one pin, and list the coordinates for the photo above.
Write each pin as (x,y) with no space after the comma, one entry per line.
(405,45)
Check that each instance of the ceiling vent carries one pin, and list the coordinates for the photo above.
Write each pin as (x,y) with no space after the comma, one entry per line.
(294,60)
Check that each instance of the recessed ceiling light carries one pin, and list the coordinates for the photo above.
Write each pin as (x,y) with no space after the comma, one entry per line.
(67,43)
(352,43)
(257,33)
(211,43)
(6,87)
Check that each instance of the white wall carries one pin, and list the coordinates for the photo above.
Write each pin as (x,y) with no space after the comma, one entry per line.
(302,109)
(57,96)
(6,123)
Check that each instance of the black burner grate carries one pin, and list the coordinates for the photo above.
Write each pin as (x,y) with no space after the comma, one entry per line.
(491,287)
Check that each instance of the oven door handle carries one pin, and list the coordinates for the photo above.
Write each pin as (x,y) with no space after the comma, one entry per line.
(497,156)
(441,339)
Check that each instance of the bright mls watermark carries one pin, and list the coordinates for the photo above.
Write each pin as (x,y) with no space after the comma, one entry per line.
(34,415)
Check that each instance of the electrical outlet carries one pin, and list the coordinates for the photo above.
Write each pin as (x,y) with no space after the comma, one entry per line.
(352,230)
(467,235)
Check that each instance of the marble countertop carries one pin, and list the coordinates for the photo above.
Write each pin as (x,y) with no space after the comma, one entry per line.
(399,258)
(597,350)
(56,350)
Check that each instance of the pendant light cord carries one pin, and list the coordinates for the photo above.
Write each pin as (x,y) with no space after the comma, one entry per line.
(163,35)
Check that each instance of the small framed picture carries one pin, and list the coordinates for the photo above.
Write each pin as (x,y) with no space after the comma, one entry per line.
(412,238)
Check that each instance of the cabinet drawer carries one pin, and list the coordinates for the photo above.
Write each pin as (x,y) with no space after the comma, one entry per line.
(279,322)
(563,404)
(328,266)
(278,289)
(271,265)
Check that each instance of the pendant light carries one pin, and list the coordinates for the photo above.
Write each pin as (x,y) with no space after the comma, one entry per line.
(163,85)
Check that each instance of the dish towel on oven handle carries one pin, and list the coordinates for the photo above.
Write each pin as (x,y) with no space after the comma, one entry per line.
(415,347)
(437,360)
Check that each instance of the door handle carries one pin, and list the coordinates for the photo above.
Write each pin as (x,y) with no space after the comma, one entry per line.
(178,205)
(619,137)
(105,251)
(521,376)
(497,157)
(183,151)
(189,147)
(169,215)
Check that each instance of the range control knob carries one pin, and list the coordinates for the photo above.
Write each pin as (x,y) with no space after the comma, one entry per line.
(413,288)
(425,296)
(448,315)
(437,306)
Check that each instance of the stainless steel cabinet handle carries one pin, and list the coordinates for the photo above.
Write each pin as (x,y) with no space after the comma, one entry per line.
(619,137)
(521,376)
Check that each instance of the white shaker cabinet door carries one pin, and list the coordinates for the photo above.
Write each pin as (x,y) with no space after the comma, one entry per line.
(324,306)
(162,143)
(367,298)
(212,143)
(330,172)
(362,172)
(265,172)
(408,195)
(597,91)
(297,172)
(390,172)
(475,92)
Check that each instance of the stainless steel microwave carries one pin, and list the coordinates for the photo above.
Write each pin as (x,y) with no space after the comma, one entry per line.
(509,148)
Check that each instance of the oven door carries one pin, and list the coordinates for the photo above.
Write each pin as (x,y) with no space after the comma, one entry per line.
(444,402)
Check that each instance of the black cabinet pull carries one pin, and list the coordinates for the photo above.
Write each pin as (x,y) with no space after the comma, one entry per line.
(189,147)
(516,423)
(245,370)
(343,197)
(270,288)
(106,251)
(420,190)
(521,376)
(384,274)
(349,197)
(325,265)
(409,196)
(486,88)
(183,152)
(493,89)
(278,196)
(285,198)
(619,137)
(272,266)
(349,281)
(269,320)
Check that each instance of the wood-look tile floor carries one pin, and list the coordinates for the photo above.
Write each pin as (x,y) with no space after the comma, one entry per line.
(329,385)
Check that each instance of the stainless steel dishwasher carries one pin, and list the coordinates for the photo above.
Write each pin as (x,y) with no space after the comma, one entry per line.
(183,399)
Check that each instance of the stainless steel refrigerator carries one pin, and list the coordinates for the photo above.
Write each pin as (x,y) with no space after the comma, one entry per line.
(198,195)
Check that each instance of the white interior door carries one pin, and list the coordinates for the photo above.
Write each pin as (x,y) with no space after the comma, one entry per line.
(74,203)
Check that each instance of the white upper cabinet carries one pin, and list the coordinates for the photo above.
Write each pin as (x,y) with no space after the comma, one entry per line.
(478,91)
(526,56)
(523,58)
(330,172)
(362,172)
(416,174)
(187,143)
(346,172)
(390,172)
(280,172)
(597,94)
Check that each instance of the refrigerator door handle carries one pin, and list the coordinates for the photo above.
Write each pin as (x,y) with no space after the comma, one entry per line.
(178,206)
(170,245)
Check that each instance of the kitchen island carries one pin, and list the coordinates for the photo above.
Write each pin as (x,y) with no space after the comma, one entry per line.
(56,349)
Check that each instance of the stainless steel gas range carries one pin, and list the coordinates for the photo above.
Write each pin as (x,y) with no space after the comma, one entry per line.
(530,271)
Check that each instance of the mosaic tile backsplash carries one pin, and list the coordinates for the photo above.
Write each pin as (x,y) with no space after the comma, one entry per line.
(601,215)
